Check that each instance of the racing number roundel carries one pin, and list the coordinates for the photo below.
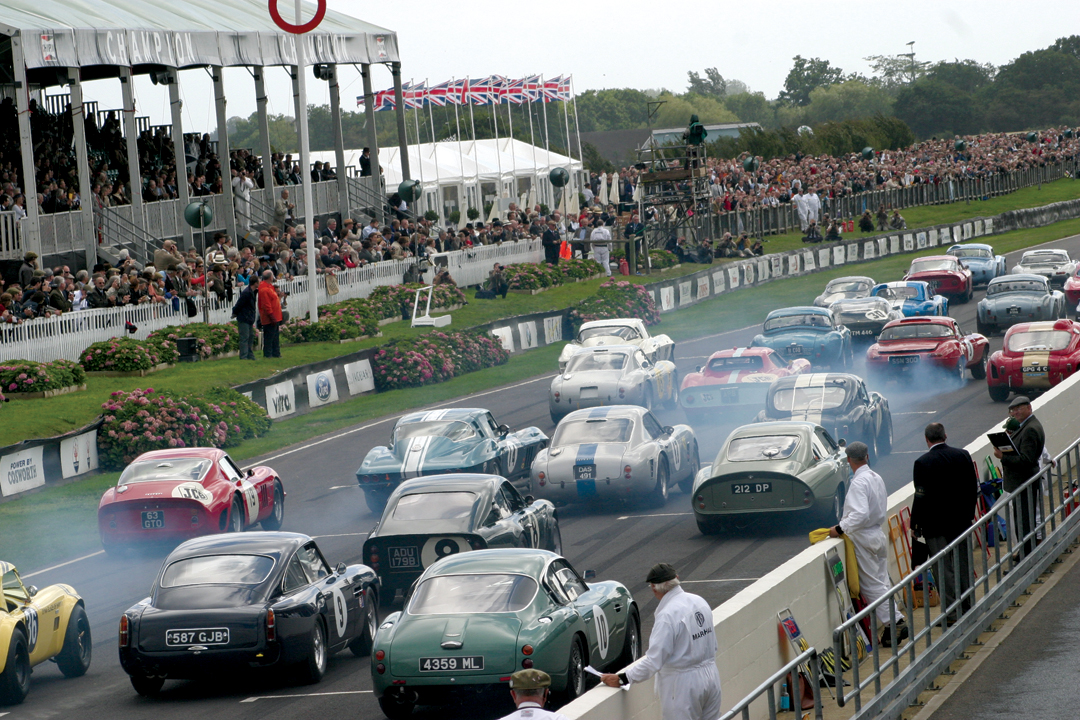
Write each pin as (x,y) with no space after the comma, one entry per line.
(437,548)
(30,616)
(602,630)
(341,612)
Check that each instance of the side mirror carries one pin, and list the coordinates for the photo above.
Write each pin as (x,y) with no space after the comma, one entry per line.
(32,590)
(842,443)
(529,499)
(251,472)
(340,568)
(698,368)
(668,430)
(504,430)
(590,574)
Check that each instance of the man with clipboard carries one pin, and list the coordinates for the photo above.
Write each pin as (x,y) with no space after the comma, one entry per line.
(1028,441)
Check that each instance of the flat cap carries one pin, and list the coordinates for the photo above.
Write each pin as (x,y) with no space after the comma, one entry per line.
(30,256)
(531,679)
(661,572)
(1019,400)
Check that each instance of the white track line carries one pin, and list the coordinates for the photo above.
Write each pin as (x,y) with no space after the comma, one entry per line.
(63,564)
(685,582)
(627,517)
(316,537)
(303,695)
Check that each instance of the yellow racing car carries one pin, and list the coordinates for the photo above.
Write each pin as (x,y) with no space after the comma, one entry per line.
(35,626)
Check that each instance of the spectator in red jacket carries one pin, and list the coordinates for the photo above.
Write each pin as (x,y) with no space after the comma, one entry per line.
(270,315)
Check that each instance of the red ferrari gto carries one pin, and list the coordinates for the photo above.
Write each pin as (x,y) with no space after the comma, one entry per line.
(1072,291)
(179,494)
(912,345)
(734,378)
(946,274)
(1034,356)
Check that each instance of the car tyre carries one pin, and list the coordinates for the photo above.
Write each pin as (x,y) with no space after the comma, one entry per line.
(672,403)
(277,515)
(998,393)
(631,639)
(647,398)
(575,673)
(556,540)
(15,680)
(885,439)
(979,371)
(984,329)
(74,657)
(397,707)
(836,507)
(871,449)
(362,643)
(709,524)
(236,516)
(687,484)
(658,497)
(555,417)
(376,500)
(147,685)
(314,667)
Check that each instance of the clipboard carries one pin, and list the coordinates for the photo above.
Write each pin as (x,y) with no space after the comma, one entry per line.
(1002,442)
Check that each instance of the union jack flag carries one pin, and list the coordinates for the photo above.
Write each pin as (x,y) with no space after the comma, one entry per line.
(458,92)
(551,89)
(533,88)
(482,92)
(515,92)
(414,96)
(382,100)
(498,89)
(438,95)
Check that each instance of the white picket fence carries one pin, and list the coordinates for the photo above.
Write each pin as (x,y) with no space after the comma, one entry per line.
(67,335)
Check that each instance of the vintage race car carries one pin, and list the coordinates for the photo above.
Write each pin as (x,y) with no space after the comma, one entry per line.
(612,375)
(35,626)
(735,379)
(864,317)
(1034,357)
(921,346)
(811,333)
(615,452)
(257,600)
(1055,265)
(181,493)
(452,440)
(1072,292)
(428,518)
(474,619)
(980,260)
(839,402)
(1014,299)
(619,331)
(844,288)
(946,274)
(772,467)
(912,298)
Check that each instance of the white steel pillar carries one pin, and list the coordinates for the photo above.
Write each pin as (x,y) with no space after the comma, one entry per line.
(131,135)
(82,164)
(339,143)
(223,156)
(31,226)
(175,104)
(373,142)
(264,138)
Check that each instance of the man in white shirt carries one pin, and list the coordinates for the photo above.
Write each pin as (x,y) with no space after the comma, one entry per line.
(242,186)
(813,207)
(682,652)
(864,513)
(529,691)
(800,202)
(600,238)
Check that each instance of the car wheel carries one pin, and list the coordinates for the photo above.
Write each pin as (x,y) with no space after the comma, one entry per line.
(236,516)
(556,540)
(658,497)
(673,402)
(361,644)
(491,467)
(687,484)
(647,398)
(555,417)
(982,328)
(979,371)
(313,669)
(871,449)
(836,508)
(398,705)
(575,673)
(998,393)
(74,657)
(631,640)
(961,370)
(277,515)
(147,685)
(885,439)
(376,500)
(15,680)
(709,524)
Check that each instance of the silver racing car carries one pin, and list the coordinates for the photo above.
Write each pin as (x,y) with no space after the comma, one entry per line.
(619,331)
(612,375)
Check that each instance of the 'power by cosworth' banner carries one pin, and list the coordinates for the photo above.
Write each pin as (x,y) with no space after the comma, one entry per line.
(21,471)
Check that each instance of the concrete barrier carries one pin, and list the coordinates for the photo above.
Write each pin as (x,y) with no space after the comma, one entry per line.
(752,645)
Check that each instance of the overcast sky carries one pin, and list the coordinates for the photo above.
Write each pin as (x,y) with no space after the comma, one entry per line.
(638,44)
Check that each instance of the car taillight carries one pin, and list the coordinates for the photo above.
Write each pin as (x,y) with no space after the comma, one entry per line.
(542,478)
(701,502)
(557,396)
(380,655)
(125,631)
(380,668)
(622,392)
(527,650)
(626,470)
(271,625)
(527,663)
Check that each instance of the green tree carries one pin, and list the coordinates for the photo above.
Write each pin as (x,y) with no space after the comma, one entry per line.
(846,100)
(934,107)
(1068,45)
(891,72)
(750,107)
(616,109)
(712,85)
(1037,89)
(806,75)
(965,75)
(676,111)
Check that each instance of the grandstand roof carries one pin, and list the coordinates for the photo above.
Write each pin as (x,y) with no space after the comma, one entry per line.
(81,33)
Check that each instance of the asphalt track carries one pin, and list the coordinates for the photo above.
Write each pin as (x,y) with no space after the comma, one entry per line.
(618,542)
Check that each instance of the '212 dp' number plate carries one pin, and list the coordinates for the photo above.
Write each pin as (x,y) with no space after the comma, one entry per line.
(751,488)
(441,664)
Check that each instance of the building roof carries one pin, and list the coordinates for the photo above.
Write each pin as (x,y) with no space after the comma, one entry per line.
(80,33)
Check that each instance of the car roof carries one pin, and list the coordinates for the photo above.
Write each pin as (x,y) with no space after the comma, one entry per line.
(510,560)
(1045,251)
(208,453)
(451,482)
(934,257)
(442,414)
(798,310)
(904,283)
(1018,276)
(797,427)
(621,349)
(1062,324)
(607,411)
(742,352)
(815,380)
(248,543)
(616,322)
(851,278)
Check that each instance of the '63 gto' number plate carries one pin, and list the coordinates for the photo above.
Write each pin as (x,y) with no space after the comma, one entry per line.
(440,664)
(751,488)
(197,636)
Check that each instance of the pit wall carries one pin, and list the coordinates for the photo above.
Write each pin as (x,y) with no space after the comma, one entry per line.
(752,645)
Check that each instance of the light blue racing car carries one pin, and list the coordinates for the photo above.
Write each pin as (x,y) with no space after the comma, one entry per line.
(912,298)
(811,333)
(981,261)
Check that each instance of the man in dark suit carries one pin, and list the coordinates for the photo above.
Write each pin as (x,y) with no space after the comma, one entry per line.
(1029,440)
(551,242)
(946,488)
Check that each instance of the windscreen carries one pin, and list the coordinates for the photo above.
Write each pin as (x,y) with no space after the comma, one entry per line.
(847,286)
(182,469)
(623,331)
(857,310)
(915,331)
(797,321)
(456,430)
(590,361)
(812,399)
(1039,340)
(457,594)
(765,447)
(897,292)
(932,266)
(727,364)
(1011,286)
(218,570)
(971,252)
(593,430)
(435,506)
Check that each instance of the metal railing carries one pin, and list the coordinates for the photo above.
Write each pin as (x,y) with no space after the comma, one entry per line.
(790,672)
(938,642)
(10,237)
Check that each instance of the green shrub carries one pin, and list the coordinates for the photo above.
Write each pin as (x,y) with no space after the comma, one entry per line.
(212,339)
(128,355)
(27,376)
(616,299)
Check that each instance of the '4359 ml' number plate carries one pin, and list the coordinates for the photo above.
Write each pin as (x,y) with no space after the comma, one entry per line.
(442,664)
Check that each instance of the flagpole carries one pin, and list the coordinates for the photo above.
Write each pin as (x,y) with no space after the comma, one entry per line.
(435,155)
(464,200)
(547,144)
(419,155)
(569,152)
(510,145)
(532,145)
(498,152)
(577,128)
(472,121)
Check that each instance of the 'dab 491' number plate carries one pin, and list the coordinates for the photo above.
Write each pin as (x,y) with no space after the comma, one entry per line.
(198,636)
(751,488)
(469,662)
(153,520)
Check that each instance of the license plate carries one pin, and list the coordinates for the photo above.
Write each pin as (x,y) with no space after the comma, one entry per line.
(403,558)
(730,396)
(589,393)
(904,360)
(197,636)
(153,519)
(584,472)
(1036,369)
(1012,311)
(794,350)
(751,488)
(444,664)
(862,332)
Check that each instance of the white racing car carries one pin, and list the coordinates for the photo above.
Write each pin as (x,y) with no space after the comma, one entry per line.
(619,331)
(612,375)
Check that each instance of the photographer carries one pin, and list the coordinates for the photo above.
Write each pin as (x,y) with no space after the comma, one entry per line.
(496,284)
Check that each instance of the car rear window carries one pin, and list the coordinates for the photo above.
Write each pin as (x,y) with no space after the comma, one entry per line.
(593,430)
(1000,288)
(622,331)
(797,321)
(1041,340)
(1044,258)
(932,265)
(455,594)
(762,447)
(899,292)
(750,362)
(844,286)
(915,330)
(875,308)
(589,361)
(218,570)
(813,399)
(970,252)
(185,469)
(435,506)
(456,430)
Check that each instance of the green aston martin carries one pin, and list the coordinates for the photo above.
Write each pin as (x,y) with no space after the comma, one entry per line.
(474,618)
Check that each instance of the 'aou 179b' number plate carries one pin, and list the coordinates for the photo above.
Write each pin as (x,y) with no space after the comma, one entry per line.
(198,636)
(443,664)
(751,488)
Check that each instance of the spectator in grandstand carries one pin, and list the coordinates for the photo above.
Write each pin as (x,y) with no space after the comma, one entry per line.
(168,256)
(246,312)
(26,270)
(365,162)
(270,315)
(242,185)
